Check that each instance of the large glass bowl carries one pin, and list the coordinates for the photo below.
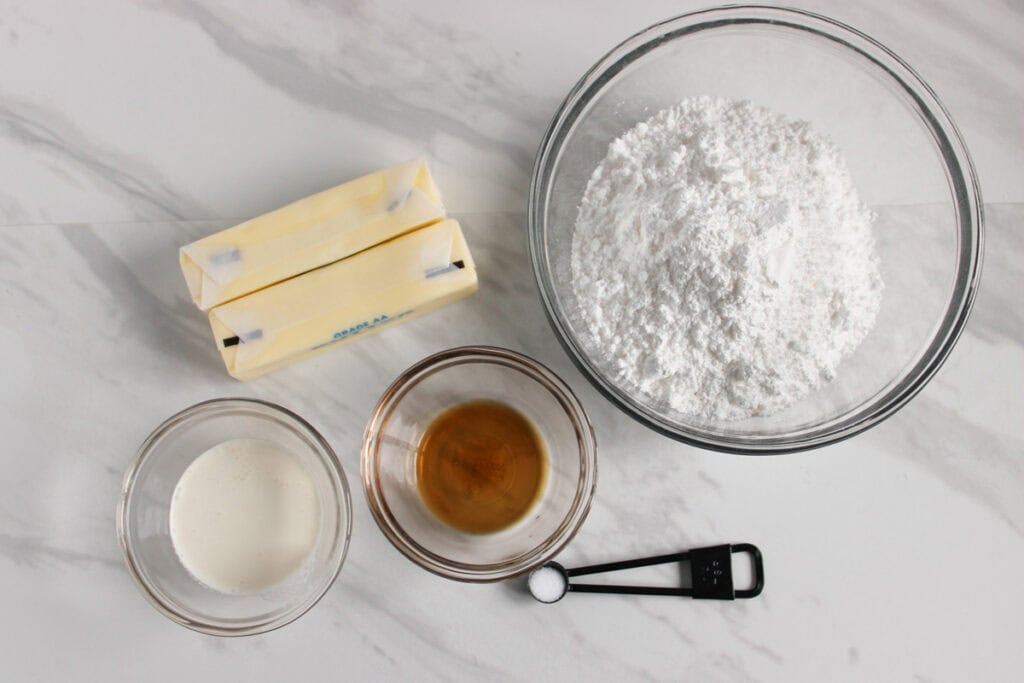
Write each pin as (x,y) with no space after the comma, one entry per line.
(907,159)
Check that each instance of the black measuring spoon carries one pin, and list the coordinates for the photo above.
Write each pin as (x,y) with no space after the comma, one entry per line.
(711,569)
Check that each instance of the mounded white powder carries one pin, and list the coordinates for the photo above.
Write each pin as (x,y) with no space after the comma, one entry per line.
(722,261)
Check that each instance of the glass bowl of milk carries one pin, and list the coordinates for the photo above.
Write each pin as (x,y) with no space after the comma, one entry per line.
(235,517)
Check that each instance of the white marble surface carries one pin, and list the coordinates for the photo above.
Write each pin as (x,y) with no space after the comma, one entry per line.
(128,128)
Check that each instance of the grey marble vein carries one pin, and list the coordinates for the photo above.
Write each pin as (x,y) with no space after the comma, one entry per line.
(376,73)
(32,552)
(44,132)
(999,310)
(152,321)
(964,455)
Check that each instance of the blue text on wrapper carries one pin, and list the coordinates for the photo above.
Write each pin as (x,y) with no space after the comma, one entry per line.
(376,321)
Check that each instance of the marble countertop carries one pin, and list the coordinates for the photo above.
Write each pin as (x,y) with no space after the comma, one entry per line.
(127,129)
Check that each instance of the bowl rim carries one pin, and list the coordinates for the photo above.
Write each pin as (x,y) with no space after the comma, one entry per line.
(569,526)
(144,452)
(957,166)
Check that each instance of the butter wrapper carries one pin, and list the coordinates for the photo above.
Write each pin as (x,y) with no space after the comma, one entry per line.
(312,232)
(332,305)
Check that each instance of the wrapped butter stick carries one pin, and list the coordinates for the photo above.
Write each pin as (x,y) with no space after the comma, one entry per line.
(311,232)
(346,300)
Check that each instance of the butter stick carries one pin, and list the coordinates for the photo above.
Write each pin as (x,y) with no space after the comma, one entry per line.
(346,300)
(310,233)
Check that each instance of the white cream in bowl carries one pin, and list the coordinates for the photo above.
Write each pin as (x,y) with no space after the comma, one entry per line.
(244,516)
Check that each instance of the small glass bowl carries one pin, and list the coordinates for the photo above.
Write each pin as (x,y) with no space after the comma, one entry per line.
(469,374)
(908,162)
(143,521)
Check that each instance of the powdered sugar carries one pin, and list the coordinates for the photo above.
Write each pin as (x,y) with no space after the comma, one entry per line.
(722,260)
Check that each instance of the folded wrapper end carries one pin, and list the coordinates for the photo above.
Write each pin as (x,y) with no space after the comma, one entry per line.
(425,183)
(311,232)
(412,185)
(223,261)
(193,277)
(224,335)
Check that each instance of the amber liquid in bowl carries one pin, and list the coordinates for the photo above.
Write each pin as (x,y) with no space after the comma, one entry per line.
(481,466)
